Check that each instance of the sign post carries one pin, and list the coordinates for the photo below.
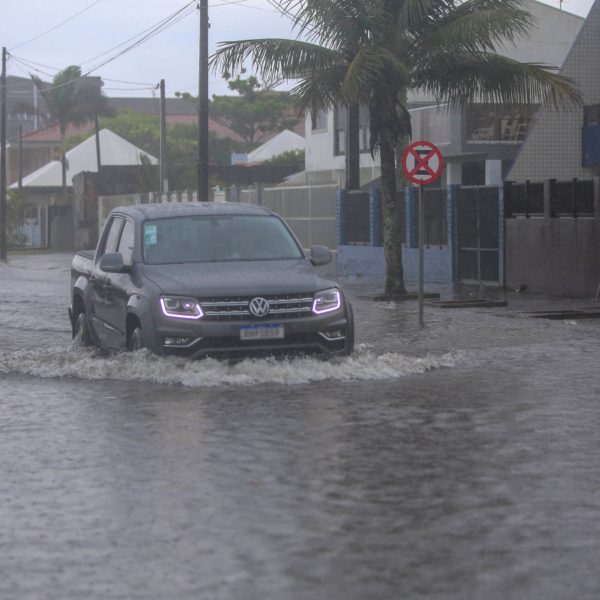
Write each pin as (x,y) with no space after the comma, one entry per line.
(422,163)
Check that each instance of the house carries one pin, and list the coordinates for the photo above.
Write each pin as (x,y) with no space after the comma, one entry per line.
(567,145)
(479,143)
(43,144)
(40,185)
(284,141)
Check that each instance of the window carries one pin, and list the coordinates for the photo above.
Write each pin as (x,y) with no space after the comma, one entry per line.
(364,133)
(110,244)
(499,123)
(126,242)
(218,238)
(319,120)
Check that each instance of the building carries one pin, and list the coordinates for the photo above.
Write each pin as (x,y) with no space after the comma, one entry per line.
(566,145)
(479,143)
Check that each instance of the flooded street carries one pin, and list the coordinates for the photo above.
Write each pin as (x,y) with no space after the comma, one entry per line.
(457,462)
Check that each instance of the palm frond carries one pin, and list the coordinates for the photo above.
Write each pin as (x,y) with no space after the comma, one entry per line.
(366,69)
(274,58)
(483,30)
(488,77)
(321,89)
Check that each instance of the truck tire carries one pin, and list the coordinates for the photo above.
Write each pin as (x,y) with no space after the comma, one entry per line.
(136,340)
(81,334)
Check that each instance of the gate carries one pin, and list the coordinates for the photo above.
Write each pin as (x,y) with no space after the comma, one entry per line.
(478,226)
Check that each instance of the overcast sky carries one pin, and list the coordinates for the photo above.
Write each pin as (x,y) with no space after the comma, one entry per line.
(101,29)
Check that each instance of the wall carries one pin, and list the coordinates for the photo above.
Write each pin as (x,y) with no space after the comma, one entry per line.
(553,147)
(553,256)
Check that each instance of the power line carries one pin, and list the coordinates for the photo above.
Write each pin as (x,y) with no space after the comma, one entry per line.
(147,34)
(37,37)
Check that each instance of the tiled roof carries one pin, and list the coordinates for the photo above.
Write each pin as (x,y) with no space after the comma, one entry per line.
(52,133)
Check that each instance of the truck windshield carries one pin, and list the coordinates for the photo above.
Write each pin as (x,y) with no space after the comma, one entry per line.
(218,238)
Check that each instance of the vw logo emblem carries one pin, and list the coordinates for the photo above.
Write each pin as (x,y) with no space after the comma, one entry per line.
(259,307)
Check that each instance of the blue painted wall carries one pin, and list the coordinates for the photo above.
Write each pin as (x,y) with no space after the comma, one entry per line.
(369,262)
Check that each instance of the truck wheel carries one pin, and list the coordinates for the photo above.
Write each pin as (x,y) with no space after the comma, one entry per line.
(136,341)
(82,335)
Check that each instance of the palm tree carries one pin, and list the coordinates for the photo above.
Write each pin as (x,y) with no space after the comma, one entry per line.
(70,99)
(374,51)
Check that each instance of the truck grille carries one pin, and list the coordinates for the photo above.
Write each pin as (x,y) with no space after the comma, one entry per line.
(235,308)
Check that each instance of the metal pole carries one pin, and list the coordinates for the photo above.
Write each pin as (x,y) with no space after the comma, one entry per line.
(98,155)
(421,257)
(164,186)
(203,105)
(478,211)
(3,215)
(20,184)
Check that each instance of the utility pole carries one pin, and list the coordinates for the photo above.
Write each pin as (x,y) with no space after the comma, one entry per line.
(3,215)
(98,155)
(20,158)
(164,184)
(203,105)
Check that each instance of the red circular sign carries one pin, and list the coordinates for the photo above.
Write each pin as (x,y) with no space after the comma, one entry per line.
(422,162)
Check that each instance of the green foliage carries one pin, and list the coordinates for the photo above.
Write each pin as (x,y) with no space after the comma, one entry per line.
(256,110)
(14,219)
(71,98)
(289,157)
(182,147)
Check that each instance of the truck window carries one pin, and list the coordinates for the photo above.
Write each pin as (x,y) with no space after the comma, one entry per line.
(110,243)
(125,247)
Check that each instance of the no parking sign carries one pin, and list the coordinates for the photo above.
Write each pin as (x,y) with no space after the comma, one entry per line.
(422,162)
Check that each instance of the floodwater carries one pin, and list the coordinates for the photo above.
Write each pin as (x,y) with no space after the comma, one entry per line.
(456,462)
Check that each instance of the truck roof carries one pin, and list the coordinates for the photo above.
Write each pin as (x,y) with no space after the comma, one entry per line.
(180,209)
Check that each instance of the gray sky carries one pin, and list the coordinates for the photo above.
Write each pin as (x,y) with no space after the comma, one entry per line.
(102,25)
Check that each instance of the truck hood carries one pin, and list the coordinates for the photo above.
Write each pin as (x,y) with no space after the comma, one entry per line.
(237,278)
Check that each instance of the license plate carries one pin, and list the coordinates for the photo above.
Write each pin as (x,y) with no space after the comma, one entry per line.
(261,332)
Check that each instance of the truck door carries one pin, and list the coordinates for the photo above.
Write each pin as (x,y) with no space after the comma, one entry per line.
(121,285)
(102,289)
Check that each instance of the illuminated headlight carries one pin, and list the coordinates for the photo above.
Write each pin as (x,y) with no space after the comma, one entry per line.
(326,301)
(180,307)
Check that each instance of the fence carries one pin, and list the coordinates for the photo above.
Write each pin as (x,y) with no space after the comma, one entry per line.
(311,211)
(553,199)
(361,217)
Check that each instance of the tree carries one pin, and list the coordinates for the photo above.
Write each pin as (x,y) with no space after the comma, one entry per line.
(373,51)
(256,110)
(143,131)
(71,99)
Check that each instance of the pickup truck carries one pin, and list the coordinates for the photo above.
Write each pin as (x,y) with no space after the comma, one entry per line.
(198,279)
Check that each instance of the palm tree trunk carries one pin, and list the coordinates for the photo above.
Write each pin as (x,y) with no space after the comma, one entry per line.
(392,244)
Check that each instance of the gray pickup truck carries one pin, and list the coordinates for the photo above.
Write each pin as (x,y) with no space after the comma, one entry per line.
(203,279)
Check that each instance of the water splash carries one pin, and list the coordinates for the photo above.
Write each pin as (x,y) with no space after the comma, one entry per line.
(143,366)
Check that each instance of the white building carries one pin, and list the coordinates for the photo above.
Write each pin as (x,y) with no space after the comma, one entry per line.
(479,145)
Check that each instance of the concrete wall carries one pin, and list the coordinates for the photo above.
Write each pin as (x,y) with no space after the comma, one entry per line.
(369,262)
(553,256)
(553,146)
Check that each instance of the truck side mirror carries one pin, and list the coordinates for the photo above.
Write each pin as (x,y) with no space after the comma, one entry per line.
(112,262)
(320,255)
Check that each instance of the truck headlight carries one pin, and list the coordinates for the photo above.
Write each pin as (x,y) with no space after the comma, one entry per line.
(180,307)
(327,301)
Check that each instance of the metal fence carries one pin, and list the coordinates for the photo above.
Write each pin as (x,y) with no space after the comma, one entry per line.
(311,211)
(574,198)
